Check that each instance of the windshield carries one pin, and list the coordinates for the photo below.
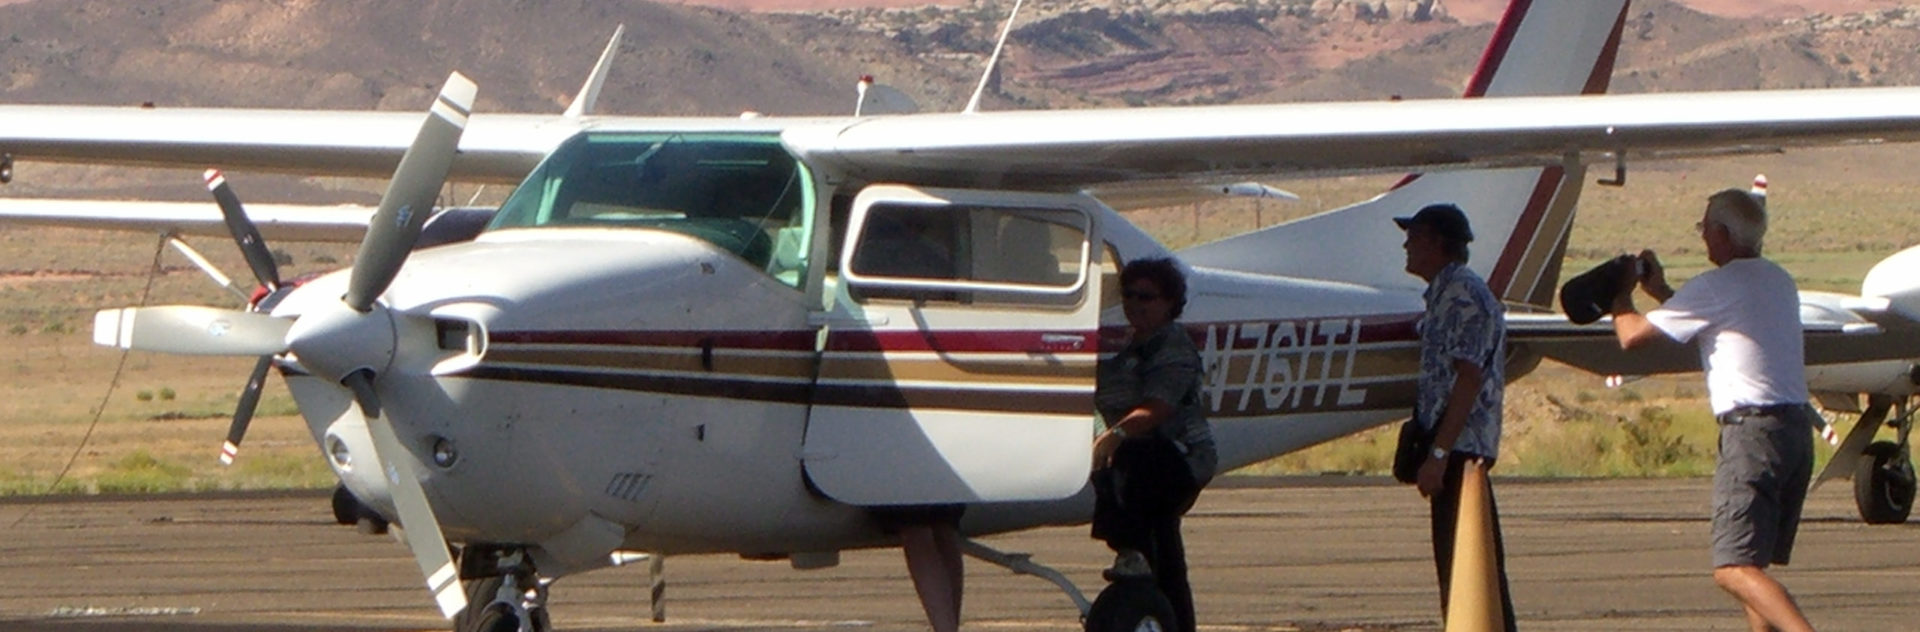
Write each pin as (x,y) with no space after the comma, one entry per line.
(743,193)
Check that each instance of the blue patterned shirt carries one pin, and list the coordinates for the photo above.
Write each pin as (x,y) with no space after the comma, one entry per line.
(1463,321)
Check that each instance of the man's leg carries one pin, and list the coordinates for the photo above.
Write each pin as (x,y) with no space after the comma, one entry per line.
(1444,514)
(1763,597)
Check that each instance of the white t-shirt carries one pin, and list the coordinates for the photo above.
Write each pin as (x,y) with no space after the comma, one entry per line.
(1747,316)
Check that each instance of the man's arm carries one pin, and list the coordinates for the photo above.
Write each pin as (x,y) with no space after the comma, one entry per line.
(1631,327)
(1467,380)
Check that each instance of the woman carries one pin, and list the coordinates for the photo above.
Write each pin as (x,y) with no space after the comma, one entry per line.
(1157,451)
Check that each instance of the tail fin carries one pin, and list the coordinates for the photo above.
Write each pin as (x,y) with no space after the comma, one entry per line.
(1541,47)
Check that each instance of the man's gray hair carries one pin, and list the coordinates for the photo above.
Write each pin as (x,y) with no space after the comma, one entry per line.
(1744,217)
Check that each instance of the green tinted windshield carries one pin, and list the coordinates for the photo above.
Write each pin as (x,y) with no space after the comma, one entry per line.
(743,193)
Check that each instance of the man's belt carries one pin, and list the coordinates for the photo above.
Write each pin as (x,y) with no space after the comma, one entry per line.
(1742,412)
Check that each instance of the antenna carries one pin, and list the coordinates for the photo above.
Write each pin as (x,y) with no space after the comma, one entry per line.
(973,104)
(590,91)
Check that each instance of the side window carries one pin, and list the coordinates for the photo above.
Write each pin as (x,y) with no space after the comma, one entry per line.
(971,254)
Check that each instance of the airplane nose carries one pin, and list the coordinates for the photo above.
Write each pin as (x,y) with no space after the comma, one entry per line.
(334,341)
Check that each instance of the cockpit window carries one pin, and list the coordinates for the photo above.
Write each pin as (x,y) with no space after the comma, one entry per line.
(743,193)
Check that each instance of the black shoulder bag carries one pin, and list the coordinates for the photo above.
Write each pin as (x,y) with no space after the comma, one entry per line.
(1411,452)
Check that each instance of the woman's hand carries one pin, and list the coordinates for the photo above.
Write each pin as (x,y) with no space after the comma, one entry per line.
(1103,448)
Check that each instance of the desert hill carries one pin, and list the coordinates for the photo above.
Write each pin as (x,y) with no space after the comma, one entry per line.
(683,59)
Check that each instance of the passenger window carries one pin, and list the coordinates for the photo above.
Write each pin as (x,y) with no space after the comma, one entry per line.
(972,254)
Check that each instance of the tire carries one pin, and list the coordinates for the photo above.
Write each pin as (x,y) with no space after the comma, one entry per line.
(480,594)
(1131,605)
(346,508)
(496,618)
(1883,484)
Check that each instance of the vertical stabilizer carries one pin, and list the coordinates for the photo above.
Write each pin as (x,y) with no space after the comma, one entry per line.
(1521,216)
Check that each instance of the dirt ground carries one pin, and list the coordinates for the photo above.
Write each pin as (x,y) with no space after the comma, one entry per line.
(1316,553)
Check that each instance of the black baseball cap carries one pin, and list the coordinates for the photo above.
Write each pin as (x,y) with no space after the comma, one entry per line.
(1446,220)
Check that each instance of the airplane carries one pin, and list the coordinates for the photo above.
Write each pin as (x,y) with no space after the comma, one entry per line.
(675,336)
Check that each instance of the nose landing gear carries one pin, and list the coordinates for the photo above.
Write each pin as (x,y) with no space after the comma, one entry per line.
(503,592)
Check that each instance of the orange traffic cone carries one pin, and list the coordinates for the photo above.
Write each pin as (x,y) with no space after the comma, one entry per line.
(1474,603)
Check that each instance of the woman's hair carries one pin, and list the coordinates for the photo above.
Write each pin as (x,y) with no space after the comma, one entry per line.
(1165,275)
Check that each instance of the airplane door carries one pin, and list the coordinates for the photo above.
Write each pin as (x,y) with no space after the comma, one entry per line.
(958,358)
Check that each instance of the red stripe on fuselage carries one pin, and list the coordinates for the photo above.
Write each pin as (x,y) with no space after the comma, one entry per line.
(762,340)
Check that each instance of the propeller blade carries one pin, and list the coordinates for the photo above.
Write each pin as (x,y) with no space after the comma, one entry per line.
(191,330)
(417,521)
(244,232)
(243,411)
(410,195)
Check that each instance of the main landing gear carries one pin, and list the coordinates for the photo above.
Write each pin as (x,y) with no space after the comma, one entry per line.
(503,592)
(1883,478)
(1129,604)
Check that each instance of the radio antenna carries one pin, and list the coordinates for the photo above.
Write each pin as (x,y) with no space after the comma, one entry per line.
(973,105)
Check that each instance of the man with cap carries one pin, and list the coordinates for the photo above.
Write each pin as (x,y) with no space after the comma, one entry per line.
(1462,378)
(1745,314)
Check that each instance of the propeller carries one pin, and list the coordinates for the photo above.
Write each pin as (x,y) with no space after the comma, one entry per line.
(190,330)
(410,195)
(244,233)
(353,342)
(349,342)
(267,272)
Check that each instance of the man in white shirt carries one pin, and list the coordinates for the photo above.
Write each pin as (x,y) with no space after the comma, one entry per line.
(1745,316)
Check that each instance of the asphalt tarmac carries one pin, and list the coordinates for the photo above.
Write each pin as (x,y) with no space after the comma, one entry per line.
(1266,554)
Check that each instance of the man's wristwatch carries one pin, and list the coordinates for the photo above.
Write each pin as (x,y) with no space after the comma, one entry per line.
(1117,431)
(1440,453)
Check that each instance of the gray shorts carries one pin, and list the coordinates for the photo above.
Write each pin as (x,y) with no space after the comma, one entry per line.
(1760,484)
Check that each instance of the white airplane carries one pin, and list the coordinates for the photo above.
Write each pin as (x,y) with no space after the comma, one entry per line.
(684,335)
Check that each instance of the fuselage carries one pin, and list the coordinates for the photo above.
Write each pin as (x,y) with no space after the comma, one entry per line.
(651,362)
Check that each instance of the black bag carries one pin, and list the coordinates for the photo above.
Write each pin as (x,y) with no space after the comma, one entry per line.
(1411,452)
(1589,296)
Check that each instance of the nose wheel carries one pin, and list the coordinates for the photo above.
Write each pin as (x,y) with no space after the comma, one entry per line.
(512,599)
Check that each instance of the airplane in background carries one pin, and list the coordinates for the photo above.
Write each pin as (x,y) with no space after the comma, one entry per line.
(685,335)
(1882,471)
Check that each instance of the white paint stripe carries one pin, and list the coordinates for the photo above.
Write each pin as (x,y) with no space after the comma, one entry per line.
(438,580)
(451,114)
(126,329)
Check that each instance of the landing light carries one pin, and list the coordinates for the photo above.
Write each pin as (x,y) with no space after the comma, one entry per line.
(443,452)
(337,450)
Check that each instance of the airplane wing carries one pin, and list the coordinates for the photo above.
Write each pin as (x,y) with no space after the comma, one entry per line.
(277,222)
(1059,150)
(1075,149)
(310,142)
(1858,330)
